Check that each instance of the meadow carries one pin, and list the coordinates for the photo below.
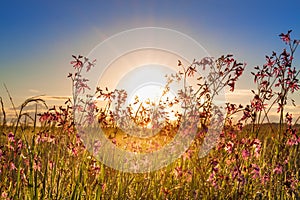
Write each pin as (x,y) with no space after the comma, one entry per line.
(43,156)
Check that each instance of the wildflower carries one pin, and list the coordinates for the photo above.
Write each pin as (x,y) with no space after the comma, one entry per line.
(191,71)
(229,147)
(97,145)
(277,71)
(11,137)
(90,65)
(20,144)
(77,63)
(286,37)
(257,104)
(114,141)
(187,154)
(288,118)
(188,175)
(255,171)
(74,151)
(279,107)
(95,168)
(270,62)
(278,169)
(178,172)
(231,84)
(90,118)
(212,179)
(12,166)
(293,141)
(37,165)
(293,85)
(245,154)
(4,194)
(81,85)
(265,178)
(257,147)
(291,182)
(239,71)
(103,187)
(51,164)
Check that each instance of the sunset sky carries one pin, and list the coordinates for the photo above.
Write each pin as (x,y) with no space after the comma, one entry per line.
(37,39)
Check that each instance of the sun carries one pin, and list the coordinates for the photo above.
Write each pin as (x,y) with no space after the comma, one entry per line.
(151,95)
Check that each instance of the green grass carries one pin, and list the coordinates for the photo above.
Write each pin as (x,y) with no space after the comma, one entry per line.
(46,169)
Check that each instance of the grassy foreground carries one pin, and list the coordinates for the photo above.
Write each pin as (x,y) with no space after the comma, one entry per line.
(51,163)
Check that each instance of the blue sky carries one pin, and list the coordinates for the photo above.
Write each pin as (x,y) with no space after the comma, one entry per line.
(37,39)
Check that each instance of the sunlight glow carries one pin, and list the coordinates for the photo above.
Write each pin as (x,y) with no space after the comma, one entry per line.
(150,94)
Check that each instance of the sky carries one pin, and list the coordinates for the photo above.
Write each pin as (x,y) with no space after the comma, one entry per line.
(37,38)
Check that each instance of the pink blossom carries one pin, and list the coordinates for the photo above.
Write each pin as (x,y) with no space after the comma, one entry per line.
(97,146)
(265,178)
(212,179)
(257,146)
(178,172)
(292,142)
(257,104)
(11,137)
(270,62)
(229,146)
(293,85)
(12,166)
(90,65)
(245,154)
(4,194)
(286,37)
(255,171)
(77,63)
(278,169)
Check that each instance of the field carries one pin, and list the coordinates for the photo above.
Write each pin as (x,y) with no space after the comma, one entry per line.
(43,156)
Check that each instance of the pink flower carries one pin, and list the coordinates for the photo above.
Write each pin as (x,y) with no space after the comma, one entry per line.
(37,165)
(11,137)
(114,141)
(257,104)
(4,194)
(12,166)
(293,85)
(90,65)
(212,179)
(286,37)
(257,146)
(245,154)
(255,171)
(81,85)
(178,172)
(77,63)
(103,187)
(229,146)
(270,62)
(292,141)
(187,154)
(231,84)
(265,179)
(278,169)
(239,71)
(51,164)
(289,118)
(276,71)
(97,146)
